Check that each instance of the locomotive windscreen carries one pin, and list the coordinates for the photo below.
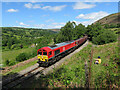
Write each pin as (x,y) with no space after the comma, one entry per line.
(44,53)
(40,53)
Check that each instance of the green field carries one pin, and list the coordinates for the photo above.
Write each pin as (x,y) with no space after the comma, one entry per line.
(72,72)
(11,55)
(18,69)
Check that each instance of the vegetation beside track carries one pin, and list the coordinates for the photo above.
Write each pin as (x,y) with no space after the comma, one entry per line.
(72,72)
(11,55)
(18,69)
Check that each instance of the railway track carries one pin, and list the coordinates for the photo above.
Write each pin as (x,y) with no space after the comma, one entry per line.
(6,84)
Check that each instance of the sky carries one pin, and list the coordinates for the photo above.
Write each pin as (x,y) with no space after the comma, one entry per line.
(53,15)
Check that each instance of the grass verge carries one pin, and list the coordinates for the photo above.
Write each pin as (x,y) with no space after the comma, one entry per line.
(18,69)
(11,55)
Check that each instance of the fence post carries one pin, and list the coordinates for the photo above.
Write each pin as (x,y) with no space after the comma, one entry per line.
(89,76)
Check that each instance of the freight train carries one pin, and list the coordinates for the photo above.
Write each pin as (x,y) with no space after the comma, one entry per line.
(50,54)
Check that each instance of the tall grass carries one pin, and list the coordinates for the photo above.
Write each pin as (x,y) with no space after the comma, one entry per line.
(72,73)
(11,55)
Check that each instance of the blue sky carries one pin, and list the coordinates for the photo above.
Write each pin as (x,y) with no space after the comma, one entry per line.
(54,14)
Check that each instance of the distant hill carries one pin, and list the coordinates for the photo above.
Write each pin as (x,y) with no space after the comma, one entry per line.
(23,28)
(110,19)
(56,30)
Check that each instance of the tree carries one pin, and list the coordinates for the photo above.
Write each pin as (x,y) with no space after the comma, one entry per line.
(94,30)
(106,36)
(79,31)
(9,44)
(66,32)
(21,57)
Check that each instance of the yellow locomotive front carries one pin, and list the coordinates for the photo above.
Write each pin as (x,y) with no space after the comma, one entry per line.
(42,56)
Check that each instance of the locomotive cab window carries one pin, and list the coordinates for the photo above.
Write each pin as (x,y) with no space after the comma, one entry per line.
(57,51)
(50,53)
(44,53)
(39,53)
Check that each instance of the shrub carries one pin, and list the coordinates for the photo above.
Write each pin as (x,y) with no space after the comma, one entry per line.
(21,57)
(106,37)
(12,63)
(7,62)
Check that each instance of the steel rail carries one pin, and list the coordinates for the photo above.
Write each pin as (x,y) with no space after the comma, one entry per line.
(15,81)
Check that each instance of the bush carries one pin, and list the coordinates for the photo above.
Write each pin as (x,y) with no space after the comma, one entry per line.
(7,62)
(21,57)
(106,37)
(12,63)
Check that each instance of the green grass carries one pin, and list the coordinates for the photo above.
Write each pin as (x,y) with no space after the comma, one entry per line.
(72,72)
(100,71)
(18,69)
(11,55)
(116,30)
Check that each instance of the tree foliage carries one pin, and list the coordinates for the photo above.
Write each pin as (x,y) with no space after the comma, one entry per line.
(16,38)
(69,32)
(94,30)
(21,57)
(106,36)
(99,35)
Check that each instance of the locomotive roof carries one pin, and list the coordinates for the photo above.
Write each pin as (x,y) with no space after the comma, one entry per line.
(45,48)
(60,44)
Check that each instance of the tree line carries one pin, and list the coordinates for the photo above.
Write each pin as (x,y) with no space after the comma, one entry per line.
(17,38)
(97,33)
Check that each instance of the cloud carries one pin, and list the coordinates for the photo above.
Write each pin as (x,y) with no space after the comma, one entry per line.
(36,6)
(89,22)
(29,5)
(81,5)
(33,1)
(52,8)
(39,25)
(93,16)
(59,26)
(84,22)
(59,23)
(49,26)
(22,24)
(12,10)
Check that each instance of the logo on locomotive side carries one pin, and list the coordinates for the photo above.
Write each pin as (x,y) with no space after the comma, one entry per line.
(63,48)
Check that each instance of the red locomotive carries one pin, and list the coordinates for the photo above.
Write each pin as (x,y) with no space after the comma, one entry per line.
(50,54)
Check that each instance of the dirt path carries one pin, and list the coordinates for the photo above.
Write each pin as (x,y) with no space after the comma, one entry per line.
(10,68)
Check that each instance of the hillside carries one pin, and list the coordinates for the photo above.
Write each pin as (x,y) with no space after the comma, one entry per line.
(14,37)
(110,19)
(56,30)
